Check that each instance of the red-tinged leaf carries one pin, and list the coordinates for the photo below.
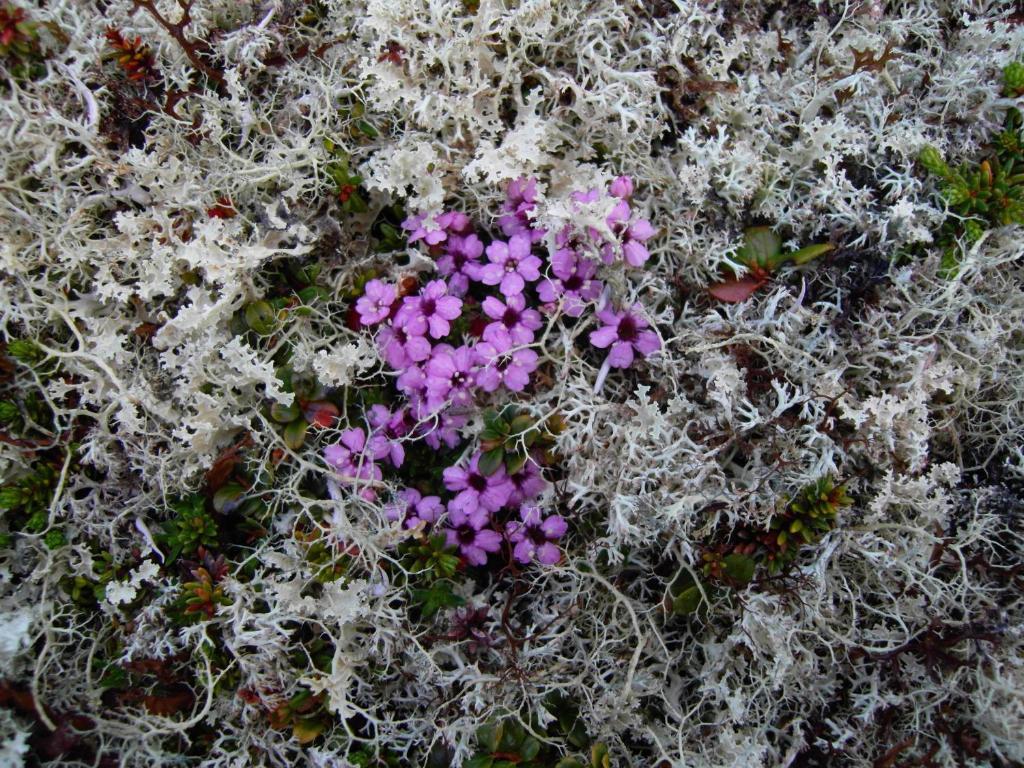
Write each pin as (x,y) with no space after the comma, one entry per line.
(172,702)
(735,290)
(321,413)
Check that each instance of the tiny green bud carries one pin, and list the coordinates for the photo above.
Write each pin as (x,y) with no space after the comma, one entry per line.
(932,160)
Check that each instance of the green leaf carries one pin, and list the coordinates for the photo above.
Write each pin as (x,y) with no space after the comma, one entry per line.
(480,761)
(568,762)
(490,461)
(809,253)
(8,411)
(261,317)
(515,462)
(227,497)
(521,424)
(284,414)
(739,568)
(438,596)
(489,736)
(530,748)
(599,757)
(687,601)
(295,434)
(760,245)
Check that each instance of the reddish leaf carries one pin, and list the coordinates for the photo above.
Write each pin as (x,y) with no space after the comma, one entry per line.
(735,290)
(172,702)
(321,413)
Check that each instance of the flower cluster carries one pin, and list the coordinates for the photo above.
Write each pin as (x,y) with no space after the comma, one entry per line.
(457,341)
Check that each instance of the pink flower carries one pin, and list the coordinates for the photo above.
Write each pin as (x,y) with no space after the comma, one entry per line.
(622,187)
(467,532)
(415,509)
(450,376)
(624,332)
(477,494)
(375,303)
(449,222)
(431,311)
(528,484)
(573,283)
(442,427)
(460,262)
(392,427)
(512,265)
(534,537)
(520,199)
(513,321)
(354,458)
(402,349)
(501,365)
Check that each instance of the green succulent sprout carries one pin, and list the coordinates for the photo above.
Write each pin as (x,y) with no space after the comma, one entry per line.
(191,527)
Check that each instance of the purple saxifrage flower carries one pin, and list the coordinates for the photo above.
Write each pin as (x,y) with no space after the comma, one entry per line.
(573,282)
(392,427)
(449,376)
(503,365)
(355,457)
(528,483)
(513,322)
(460,262)
(375,303)
(430,312)
(626,332)
(477,494)
(512,265)
(445,224)
(401,348)
(469,534)
(534,537)
(414,509)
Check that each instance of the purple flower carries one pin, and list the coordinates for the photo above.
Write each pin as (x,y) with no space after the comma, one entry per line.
(449,222)
(624,332)
(573,282)
(534,536)
(414,509)
(512,320)
(442,427)
(528,484)
(477,494)
(520,199)
(504,366)
(460,262)
(431,311)
(467,532)
(511,265)
(392,427)
(375,303)
(622,187)
(413,382)
(401,348)
(631,235)
(355,457)
(449,376)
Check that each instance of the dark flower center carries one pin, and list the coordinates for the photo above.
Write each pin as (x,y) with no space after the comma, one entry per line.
(466,534)
(458,379)
(428,307)
(536,535)
(477,482)
(573,283)
(510,318)
(627,328)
